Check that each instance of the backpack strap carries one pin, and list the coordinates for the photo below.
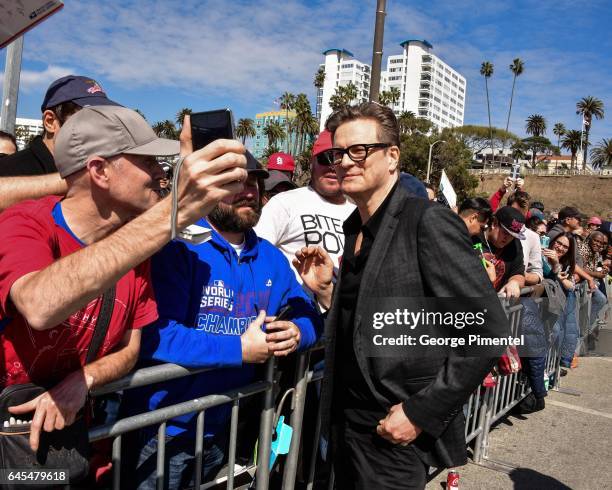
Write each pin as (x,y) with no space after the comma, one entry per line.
(106,312)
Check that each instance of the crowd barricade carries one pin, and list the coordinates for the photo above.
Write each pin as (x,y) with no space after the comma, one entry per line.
(483,409)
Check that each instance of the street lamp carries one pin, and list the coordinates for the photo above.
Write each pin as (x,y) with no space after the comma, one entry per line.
(429,159)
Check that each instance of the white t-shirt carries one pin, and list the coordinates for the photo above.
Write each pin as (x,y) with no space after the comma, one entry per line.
(301,217)
(532,252)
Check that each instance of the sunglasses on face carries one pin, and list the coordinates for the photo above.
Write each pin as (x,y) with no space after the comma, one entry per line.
(357,153)
(325,158)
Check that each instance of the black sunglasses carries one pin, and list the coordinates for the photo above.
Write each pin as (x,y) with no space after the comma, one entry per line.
(357,153)
(325,158)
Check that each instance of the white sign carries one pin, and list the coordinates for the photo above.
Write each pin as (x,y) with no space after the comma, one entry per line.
(447,192)
(19,16)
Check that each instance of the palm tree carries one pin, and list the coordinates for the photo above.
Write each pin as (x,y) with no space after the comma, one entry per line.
(571,141)
(287,101)
(601,154)
(536,126)
(343,96)
(558,131)
(165,129)
(394,96)
(180,115)
(406,121)
(517,67)
(158,128)
(319,81)
(302,120)
(274,132)
(350,92)
(486,70)
(245,129)
(588,107)
(384,98)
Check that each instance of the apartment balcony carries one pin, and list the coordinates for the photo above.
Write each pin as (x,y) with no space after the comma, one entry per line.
(425,76)
(426,59)
(423,112)
(424,95)
(423,104)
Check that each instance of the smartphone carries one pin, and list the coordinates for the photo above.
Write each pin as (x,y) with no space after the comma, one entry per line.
(515,172)
(544,241)
(209,126)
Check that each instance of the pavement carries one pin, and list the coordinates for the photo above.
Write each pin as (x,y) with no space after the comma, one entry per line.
(568,445)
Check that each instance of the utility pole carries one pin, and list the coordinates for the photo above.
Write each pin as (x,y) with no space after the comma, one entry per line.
(377,49)
(10,88)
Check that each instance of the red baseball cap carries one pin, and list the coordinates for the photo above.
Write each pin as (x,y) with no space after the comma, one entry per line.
(281,161)
(323,143)
(594,220)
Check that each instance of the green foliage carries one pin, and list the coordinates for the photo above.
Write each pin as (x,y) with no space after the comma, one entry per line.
(274,132)
(343,96)
(536,144)
(454,157)
(166,129)
(571,141)
(245,129)
(589,107)
(319,78)
(271,149)
(477,138)
(601,154)
(536,125)
(409,123)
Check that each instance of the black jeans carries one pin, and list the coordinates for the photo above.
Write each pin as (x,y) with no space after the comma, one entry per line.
(367,461)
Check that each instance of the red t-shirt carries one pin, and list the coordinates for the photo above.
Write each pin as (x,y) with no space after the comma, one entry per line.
(32,236)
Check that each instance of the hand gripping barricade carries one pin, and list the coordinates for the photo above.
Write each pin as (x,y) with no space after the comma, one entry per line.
(484,408)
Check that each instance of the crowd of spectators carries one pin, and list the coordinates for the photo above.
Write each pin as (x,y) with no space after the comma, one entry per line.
(207,305)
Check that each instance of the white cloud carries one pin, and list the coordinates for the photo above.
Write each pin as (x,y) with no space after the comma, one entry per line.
(251,52)
(31,81)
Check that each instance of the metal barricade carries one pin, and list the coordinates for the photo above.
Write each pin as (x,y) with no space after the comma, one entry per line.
(161,416)
(483,409)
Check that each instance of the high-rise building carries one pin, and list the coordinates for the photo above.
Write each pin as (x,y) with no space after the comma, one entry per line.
(260,142)
(341,68)
(427,86)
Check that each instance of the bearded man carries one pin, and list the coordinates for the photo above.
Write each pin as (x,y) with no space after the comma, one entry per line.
(213,300)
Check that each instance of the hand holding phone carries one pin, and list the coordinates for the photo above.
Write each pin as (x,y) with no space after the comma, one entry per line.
(282,335)
(209,126)
(204,177)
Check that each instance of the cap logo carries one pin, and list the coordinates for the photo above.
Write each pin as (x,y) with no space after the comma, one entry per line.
(516,226)
(279,160)
(94,88)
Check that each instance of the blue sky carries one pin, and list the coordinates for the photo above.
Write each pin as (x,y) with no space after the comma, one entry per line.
(162,55)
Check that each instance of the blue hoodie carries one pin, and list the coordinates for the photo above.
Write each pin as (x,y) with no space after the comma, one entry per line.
(206,297)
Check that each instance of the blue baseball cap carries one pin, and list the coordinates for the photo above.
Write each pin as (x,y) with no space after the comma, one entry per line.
(83,91)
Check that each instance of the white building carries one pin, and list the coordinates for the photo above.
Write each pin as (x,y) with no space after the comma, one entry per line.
(428,87)
(341,68)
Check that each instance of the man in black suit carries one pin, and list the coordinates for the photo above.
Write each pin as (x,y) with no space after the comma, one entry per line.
(389,418)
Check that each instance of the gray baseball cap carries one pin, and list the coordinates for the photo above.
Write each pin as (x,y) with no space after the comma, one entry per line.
(106,131)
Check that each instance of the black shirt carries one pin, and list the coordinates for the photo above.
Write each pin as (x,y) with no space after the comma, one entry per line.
(508,261)
(358,406)
(36,159)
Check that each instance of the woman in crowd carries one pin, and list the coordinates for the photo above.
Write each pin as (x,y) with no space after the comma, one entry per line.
(559,263)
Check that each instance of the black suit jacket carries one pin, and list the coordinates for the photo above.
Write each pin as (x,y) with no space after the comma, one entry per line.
(422,249)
